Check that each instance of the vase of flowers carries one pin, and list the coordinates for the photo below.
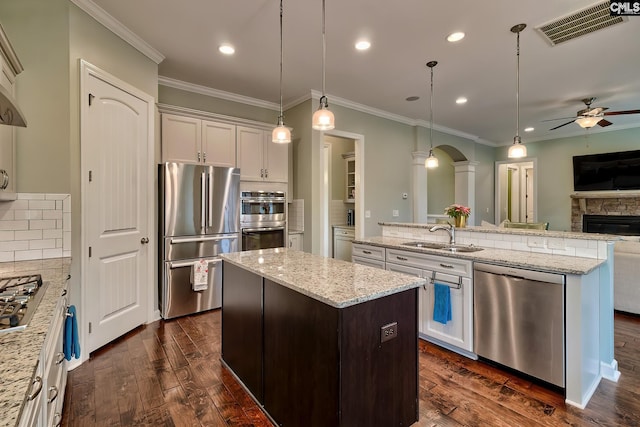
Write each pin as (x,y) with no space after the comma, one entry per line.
(459,214)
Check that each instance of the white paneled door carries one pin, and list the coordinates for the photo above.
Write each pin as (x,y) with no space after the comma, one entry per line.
(116,166)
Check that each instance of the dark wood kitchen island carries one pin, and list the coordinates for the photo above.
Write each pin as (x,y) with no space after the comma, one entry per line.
(321,342)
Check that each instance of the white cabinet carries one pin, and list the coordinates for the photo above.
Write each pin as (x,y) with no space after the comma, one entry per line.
(259,159)
(9,67)
(192,140)
(44,402)
(456,334)
(373,256)
(343,242)
(349,177)
(296,241)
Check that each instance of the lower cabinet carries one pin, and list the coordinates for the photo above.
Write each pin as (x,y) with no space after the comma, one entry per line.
(343,242)
(373,256)
(296,241)
(46,397)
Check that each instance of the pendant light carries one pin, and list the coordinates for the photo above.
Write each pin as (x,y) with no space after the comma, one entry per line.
(517,149)
(323,118)
(281,134)
(432,161)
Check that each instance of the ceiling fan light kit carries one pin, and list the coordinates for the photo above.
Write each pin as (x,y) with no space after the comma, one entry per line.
(588,121)
(281,134)
(323,118)
(431,161)
(589,117)
(517,150)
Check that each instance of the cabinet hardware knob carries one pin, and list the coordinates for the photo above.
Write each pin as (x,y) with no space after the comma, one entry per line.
(59,358)
(198,156)
(367,252)
(144,240)
(57,419)
(401,258)
(204,157)
(446,265)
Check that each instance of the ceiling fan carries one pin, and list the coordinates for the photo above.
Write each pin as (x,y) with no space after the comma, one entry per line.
(589,117)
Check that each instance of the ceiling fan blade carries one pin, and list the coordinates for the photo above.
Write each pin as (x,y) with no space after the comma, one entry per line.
(604,123)
(617,113)
(559,118)
(564,124)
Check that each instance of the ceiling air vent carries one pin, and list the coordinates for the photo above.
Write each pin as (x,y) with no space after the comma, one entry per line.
(585,21)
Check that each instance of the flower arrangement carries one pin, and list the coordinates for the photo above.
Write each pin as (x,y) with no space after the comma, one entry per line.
(457,211)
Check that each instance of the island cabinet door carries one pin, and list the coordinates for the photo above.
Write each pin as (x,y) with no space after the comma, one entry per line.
(301,359)
(379,379)
(242,326)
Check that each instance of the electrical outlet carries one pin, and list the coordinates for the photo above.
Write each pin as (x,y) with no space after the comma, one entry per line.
(367,214)
(396,212)
(388,332)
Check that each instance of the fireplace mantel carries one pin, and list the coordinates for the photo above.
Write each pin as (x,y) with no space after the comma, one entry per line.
(603,203)
(627,194)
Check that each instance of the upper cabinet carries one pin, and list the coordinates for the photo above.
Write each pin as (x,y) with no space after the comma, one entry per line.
(10,67)
(350,177)
(192,140)
(259,159)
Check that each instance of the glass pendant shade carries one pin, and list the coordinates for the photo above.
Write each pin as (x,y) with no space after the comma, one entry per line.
(588,122)
(432,161)
(517,150)
(323,118)
(281,134)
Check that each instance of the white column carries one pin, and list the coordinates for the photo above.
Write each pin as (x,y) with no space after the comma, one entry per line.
(419,182)
(465,186)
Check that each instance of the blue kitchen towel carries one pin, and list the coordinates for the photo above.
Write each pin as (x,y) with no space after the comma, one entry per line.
(71,342)
(441,303)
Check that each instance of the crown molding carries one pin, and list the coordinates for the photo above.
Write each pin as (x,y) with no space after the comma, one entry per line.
(116,27)
(7,50)
(206,115)
(204,90)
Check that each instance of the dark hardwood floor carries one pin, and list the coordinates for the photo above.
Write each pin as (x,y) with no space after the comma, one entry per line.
(169,374)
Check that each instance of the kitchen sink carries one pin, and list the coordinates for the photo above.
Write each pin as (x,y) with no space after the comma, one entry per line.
(429,245)
(444,246)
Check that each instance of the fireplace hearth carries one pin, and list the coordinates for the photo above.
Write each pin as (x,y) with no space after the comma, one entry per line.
(625,225)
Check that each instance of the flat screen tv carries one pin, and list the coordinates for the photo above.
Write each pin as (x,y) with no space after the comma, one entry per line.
(607,171)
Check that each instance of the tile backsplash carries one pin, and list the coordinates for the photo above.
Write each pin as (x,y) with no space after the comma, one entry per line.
(295,215)
(35,226)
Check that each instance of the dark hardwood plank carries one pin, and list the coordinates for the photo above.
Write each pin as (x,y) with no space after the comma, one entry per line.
(145,379)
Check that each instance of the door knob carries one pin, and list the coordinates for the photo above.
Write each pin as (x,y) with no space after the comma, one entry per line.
(144,240)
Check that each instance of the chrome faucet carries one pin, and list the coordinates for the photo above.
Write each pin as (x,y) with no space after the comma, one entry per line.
(450,229)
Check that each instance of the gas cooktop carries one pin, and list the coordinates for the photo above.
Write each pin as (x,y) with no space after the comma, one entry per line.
(19,299)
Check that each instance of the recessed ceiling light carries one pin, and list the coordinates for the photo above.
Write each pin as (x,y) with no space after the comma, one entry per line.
(455,37)
(461,100)
(227,49)
(529,129)
(363,45)
(412,98)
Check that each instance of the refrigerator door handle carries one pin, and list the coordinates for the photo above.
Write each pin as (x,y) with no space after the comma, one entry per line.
(203,189)
(180,264)
(201,238)
(210,199)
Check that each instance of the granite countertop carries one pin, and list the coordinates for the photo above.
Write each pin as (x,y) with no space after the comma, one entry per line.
(20,350)
(531,260)
(295,231)
(526,232)
(353,227)
(334,282)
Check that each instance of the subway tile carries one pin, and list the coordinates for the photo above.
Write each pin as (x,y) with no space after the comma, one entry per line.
(19,204)
(42,204)
(28,214)
(14,225)
(27,255)
(7,215)
(15,245)
(7,235)
(66,204)
(53,196)
(57,214)
(59,243)
(66,241)
(66,253)
(587,252)
(52,253)
(6,256)
(28,235)
(52,234)
(42,224)
(42,244)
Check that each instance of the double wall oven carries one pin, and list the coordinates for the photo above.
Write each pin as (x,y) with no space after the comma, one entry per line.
(263,221)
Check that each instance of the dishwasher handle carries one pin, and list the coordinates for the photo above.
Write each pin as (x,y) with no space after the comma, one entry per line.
(521,273)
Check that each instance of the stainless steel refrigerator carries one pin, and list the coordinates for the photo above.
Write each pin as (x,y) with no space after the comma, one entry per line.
(199,219)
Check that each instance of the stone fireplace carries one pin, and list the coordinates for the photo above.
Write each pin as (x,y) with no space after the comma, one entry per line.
(614,203)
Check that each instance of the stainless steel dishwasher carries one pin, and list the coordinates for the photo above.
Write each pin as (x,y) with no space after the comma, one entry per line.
(519,320)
